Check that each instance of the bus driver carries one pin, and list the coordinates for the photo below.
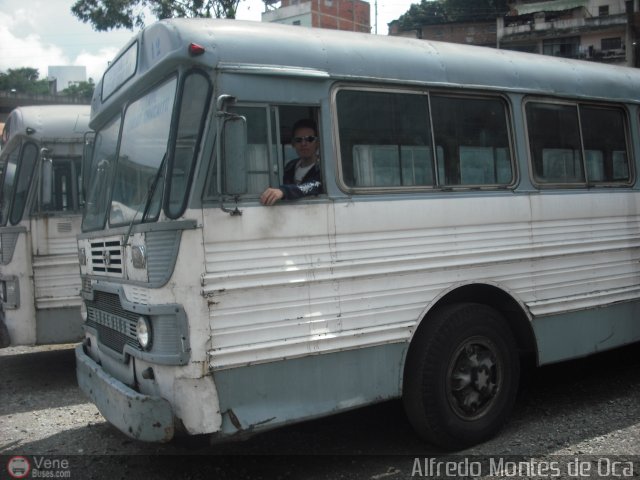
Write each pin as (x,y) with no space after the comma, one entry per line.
(302,176)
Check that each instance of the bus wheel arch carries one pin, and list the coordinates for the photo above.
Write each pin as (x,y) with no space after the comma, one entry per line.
(462,368)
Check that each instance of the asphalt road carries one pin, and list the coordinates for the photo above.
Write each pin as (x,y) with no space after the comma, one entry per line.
(583,414)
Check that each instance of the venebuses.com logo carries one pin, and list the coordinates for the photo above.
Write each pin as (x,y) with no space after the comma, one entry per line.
(18,467)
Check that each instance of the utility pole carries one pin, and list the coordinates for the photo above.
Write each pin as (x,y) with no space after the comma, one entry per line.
(376,16)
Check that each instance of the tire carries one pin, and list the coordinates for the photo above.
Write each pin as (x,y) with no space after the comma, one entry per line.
(461,376)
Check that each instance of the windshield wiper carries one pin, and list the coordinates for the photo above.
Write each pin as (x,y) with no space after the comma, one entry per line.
(147,199)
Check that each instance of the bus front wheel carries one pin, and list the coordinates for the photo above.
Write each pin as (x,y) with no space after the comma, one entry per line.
(461,376)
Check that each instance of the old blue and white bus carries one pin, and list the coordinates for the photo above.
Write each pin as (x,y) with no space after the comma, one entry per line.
(479,208)
(40,205)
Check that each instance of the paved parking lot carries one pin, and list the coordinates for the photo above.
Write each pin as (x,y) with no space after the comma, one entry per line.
(585,409)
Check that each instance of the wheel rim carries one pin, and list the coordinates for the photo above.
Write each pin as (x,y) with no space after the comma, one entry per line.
(474,378)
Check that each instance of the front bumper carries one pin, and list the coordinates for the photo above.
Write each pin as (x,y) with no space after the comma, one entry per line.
(143,417)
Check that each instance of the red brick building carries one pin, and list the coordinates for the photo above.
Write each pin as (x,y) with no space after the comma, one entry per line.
(352,15)
(473,33)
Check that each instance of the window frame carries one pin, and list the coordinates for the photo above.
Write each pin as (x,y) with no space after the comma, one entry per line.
(74,163)
(577,103)
(438,186)
(6,202)
(95,169)
(17,215)
(274,114)
(177,111)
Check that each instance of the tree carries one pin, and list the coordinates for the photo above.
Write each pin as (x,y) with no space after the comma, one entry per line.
(470,10)
(430,12)
(426,12)
(80,90)
(105,15)
(23,80)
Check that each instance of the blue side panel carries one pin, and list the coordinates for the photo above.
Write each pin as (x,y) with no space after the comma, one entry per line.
(272,394)
(578,334)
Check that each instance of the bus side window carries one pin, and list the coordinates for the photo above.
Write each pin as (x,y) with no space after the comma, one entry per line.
(62,183)
(268,148)
(604,134)
(385,139)
(562,153)
(474,134)
(554,138)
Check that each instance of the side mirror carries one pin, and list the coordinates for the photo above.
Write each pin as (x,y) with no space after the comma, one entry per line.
(46,179)
(87,156)
(234,155)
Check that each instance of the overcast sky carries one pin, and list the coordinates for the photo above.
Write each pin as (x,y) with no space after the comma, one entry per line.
(40,33)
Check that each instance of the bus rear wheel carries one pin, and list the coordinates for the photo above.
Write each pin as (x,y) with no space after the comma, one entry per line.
(461,376)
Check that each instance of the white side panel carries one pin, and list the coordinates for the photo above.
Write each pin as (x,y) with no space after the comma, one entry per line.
(56,271)
(57,281)
(294,280)
(588,250)
(21,322)
(55,235)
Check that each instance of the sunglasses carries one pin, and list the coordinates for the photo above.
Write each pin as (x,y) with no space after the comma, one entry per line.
(307,139)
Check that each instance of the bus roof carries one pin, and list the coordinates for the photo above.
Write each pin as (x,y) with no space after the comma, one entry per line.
(333,54)
(47,121)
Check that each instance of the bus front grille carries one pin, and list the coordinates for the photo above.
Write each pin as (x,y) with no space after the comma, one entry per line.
(106,257)
(115,326)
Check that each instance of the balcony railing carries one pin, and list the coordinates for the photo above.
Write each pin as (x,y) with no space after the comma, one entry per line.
(573,24)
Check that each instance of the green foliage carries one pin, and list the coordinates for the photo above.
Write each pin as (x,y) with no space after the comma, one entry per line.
(83,90)
(105,15)
(423,13)
(23,80)
(430,12)
(27,81)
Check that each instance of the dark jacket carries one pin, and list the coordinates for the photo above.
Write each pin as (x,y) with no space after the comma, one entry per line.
(311,183)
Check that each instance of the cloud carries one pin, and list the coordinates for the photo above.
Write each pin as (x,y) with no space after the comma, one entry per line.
(96,63)
(27,51)
(49,35)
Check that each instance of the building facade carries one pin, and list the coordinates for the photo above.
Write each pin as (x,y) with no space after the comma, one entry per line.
(352,15)
(596,30)
(65,76)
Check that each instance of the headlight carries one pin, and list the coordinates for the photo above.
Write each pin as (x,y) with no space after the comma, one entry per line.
(138,256)
(143,332)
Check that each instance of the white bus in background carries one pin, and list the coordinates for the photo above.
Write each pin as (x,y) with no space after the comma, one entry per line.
(480,208)
(40,204)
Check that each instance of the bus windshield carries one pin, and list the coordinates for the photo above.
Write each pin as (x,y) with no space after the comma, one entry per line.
(144,145)
(16,183)
(134,155)
(101,171)
(136,186)
(7,186)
